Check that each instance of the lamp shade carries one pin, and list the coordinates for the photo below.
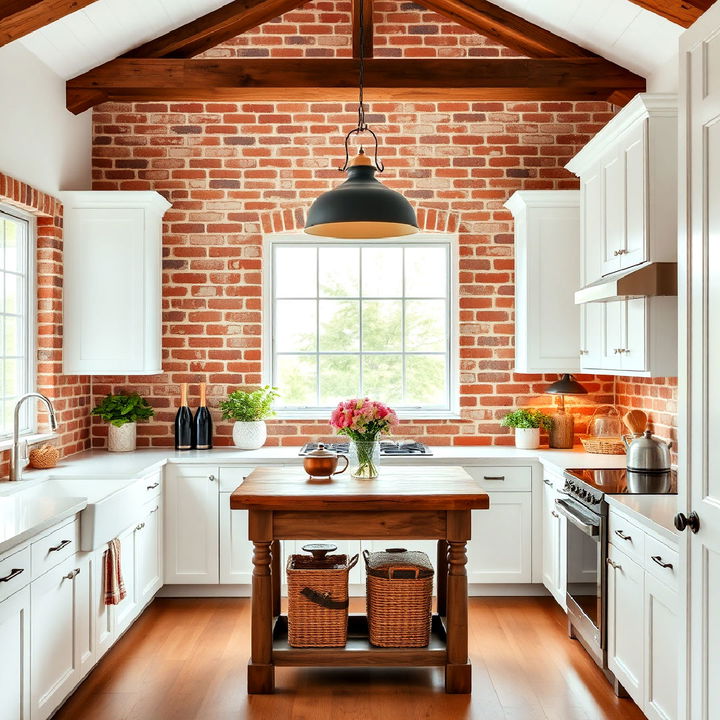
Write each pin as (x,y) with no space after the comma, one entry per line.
(566,385)
(361,207)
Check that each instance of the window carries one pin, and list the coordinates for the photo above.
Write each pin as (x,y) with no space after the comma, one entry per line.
(354,319)
(16,324)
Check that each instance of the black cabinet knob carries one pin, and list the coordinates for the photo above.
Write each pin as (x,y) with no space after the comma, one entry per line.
(691,521)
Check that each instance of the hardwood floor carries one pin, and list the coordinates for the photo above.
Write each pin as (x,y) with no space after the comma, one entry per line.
(185,659)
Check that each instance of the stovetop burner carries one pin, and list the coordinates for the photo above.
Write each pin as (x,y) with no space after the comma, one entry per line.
(387,447)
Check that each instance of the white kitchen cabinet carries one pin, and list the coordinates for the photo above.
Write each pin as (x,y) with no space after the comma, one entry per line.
(628,179)
(59,611)
(129,608)
(547,272)
(662,636)
(625,608)
(191,525)
(112,244)
(104,615)
(149,549)
(236,550)
(15,644)
(500,550)
(554,558)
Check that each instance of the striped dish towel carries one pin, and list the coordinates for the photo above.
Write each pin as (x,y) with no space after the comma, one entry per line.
(114,585)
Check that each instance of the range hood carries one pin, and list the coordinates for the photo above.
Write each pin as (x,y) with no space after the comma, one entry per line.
(647,280)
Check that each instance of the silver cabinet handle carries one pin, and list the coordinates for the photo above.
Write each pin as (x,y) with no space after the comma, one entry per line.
(584,352)
(622,535)
(211,478)
(63,544)
(140,526)
(554,514)
(72,574)
(153,486)
(13,573)
(623,251)
(493,477)
(659,561)
(613,564)
(547,482)
(155,509)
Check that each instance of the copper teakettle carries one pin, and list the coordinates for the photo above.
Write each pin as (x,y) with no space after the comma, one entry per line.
(322,463)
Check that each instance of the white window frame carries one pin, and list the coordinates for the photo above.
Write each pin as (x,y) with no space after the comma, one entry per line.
(449,239)
(28,424)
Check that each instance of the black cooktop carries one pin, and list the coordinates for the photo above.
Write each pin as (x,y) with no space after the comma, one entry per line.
(622,481)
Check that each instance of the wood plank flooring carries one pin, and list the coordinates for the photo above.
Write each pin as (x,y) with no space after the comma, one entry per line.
(185,659)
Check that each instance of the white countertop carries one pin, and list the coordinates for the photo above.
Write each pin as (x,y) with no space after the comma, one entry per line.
(653,511)
(20,518)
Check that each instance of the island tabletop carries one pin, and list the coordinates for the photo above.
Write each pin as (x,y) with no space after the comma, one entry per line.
(403,503)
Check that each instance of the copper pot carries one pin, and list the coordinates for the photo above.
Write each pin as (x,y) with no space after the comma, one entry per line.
(322,463)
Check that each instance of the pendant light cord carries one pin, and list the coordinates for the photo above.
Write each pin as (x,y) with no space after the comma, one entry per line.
(362,126)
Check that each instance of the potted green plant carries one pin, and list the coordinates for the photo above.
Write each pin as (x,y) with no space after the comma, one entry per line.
(123,412)
(249,411)
(527,423)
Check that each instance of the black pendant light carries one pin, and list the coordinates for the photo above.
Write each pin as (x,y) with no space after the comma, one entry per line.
(361,207)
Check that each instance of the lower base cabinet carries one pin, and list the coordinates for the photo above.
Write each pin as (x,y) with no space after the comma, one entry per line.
(236,550)
(15,644)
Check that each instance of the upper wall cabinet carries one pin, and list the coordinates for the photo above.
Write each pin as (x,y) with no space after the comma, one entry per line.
(113,282)
(628,181)
(547,272)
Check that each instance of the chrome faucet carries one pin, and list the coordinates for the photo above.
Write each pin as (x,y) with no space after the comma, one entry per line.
(15,464)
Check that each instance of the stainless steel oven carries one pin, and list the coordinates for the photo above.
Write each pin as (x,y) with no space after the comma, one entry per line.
(586,576)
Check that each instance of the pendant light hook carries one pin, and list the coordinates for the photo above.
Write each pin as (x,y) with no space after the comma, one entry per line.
(362,126)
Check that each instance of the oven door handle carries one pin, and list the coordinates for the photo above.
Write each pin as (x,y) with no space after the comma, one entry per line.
(564,509)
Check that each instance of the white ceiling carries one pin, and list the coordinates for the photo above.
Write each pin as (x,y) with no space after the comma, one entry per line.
(616,29)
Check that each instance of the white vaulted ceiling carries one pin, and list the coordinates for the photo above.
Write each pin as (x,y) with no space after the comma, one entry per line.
(616,29)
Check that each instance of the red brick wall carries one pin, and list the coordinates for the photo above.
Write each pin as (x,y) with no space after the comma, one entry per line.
(225,167)
(70,394)
(656,396)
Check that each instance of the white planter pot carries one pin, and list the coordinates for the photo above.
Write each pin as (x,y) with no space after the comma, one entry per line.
(527,438)
(123,438)
(249,435)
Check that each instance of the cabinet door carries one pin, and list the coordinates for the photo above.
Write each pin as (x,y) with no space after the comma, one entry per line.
(104,614)
(634,250)
(235,549)
(148,546)
(592,330)
(635,320)
(625,586)
(592,230)
(613,241)
(613,334)
(551,543)
(192,553)
(15,644)
(501,549)
(54,669)
(127,610)
(84,612)
(662,636)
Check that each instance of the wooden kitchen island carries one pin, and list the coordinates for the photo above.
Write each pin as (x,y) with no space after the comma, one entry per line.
(407,503)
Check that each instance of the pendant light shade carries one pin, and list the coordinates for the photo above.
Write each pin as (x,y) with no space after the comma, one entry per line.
(361,207)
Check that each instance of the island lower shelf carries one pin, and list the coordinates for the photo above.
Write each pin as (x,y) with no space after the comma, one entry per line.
(358,651)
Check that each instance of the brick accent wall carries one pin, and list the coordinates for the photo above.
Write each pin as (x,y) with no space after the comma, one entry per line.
(656,396)
(70,393)
(233,170)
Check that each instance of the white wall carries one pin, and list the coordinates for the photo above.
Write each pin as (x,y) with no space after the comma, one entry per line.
(41,143)
(666,78)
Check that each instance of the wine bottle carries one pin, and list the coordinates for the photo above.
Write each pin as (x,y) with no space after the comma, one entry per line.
(203,423)
(183,423)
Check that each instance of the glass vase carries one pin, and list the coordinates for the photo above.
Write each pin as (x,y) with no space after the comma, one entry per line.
(364,458)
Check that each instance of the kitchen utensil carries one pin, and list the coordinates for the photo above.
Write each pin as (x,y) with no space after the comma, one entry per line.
(648,483)
(322,463)
(635,421)
(647,453)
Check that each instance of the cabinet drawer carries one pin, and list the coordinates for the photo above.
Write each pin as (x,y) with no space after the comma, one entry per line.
(232,477)
(627,537)
(661,561)
(14,572)
(502,478)
(54,548)
(153,485)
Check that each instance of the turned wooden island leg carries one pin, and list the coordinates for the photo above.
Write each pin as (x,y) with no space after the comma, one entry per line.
(441,575)
(458,672)
(261,673)
(276,577)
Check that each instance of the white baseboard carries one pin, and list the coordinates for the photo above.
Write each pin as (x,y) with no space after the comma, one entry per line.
(355,590)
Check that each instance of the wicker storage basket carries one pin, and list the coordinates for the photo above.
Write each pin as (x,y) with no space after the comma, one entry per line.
(602,445)
(318,597)
(399,597)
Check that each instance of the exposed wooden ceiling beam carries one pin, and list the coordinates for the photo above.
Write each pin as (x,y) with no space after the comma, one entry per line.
(506,28)
(367,27)
(681,12)
(129,79)
(216,27)
(21,17)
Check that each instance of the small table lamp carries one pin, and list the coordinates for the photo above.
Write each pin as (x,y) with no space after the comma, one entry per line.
(563,424)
